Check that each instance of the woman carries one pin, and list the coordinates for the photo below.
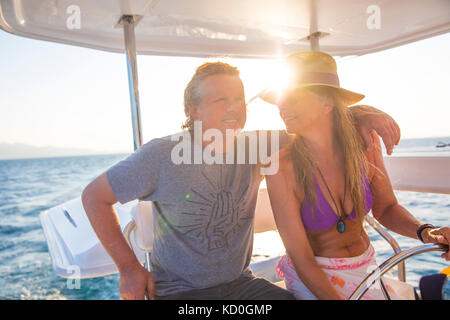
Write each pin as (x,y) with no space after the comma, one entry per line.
(326,185)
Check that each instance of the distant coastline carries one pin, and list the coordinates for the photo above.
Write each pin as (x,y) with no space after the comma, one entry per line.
(12,151)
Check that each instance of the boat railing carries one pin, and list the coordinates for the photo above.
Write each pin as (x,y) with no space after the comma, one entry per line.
(127,231)
(393,243)
(387,265)
(131,226)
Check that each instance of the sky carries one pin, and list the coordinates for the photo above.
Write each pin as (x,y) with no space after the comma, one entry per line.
(65,96)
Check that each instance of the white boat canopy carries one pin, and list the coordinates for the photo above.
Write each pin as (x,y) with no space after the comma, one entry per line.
(235,28)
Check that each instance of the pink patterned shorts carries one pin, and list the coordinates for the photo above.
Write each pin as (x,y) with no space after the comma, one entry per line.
(345,274)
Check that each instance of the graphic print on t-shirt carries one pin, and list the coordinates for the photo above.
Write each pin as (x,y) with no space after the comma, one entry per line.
(219,214)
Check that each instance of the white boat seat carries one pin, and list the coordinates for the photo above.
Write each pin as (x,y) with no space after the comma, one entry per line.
(73,245)
(264,220)
(143,231)
(281,284)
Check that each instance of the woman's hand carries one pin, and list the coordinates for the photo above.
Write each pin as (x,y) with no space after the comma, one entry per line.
(438,235)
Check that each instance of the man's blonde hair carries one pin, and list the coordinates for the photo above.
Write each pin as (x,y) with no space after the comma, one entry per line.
(192,95)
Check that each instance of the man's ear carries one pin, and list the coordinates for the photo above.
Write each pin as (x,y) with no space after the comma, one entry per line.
(193,112)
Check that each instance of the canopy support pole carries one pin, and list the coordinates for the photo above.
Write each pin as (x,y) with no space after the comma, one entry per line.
(314,33)
(128,22)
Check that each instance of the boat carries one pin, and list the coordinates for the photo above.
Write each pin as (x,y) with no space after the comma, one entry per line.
(205,28)
(441,144)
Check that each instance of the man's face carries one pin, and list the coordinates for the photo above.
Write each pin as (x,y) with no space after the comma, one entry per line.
(223,103)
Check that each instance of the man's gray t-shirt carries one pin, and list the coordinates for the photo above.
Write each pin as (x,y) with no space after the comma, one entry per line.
(202,215)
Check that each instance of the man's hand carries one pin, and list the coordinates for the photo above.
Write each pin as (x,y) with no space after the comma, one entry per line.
(136,283)
(438,235)
(369,118)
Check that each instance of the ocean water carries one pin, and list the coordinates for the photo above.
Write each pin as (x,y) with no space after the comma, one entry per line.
(30,186)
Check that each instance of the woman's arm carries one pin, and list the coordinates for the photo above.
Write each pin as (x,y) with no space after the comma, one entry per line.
(387,210)
(286,209)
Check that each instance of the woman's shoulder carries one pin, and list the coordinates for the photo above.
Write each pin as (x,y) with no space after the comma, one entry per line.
(285,177)
(283,158)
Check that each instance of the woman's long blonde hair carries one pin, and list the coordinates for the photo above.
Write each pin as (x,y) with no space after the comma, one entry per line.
(350,142)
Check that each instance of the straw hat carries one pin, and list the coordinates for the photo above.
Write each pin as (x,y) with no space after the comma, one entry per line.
(312,69)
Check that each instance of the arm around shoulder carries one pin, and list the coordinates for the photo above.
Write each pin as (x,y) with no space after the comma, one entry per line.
(368,118)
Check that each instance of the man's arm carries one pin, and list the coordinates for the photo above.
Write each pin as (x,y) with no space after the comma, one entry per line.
(98,200)
(368,118)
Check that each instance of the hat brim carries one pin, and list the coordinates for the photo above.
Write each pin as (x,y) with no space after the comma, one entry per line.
(347,97)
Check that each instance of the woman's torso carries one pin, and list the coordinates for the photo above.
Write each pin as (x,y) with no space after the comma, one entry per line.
(320,220)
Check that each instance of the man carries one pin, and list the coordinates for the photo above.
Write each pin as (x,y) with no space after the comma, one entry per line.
(203,213)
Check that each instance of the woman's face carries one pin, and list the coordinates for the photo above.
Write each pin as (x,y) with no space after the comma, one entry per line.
(302,110)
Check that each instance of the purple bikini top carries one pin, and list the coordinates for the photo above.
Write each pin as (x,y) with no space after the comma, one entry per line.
(324,214)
